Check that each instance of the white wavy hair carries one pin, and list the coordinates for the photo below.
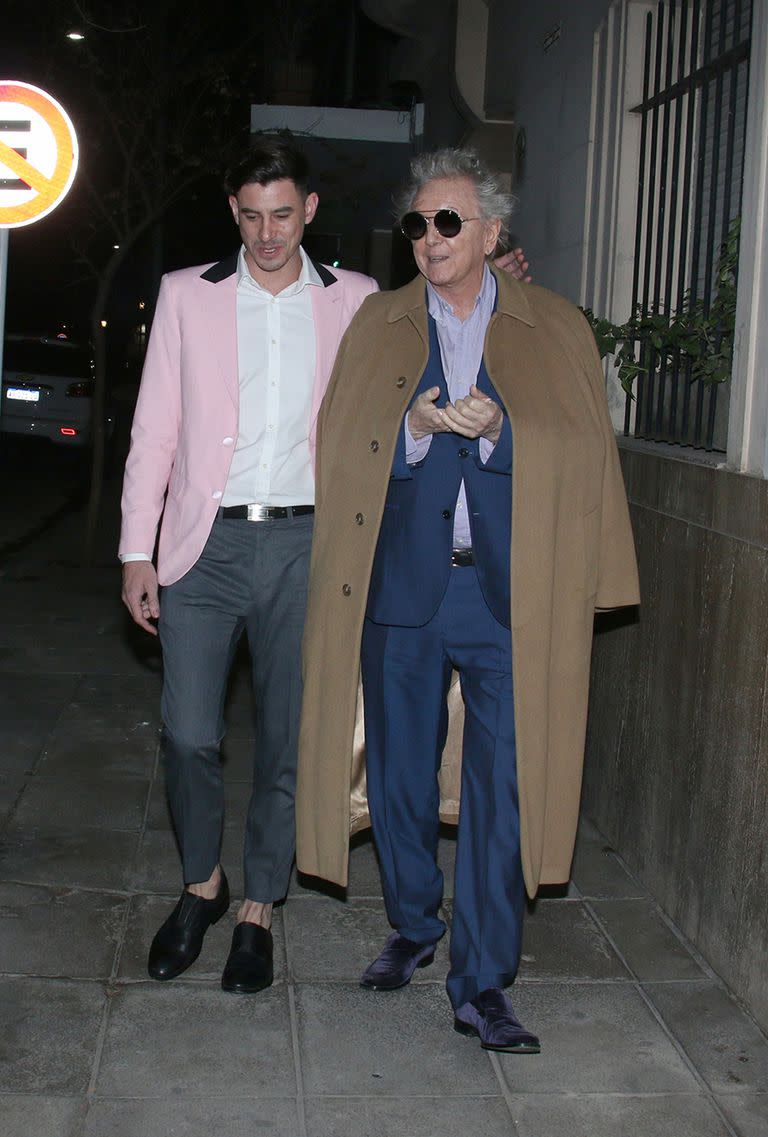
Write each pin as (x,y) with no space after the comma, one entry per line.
(453,162)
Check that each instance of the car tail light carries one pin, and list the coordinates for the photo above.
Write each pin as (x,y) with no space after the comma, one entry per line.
(68,431)
(80,390)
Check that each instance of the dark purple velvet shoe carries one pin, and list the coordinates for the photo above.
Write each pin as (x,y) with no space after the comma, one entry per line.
(490,1016)
(397,963)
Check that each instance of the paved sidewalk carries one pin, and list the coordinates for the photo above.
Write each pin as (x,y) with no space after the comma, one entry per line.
(639,1037)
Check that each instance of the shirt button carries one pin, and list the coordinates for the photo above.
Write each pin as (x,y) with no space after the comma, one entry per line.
(463,452)
(227,441)
(217,494)
(374,445)
(400,382)
(447,514)
(346,589)
(359,518)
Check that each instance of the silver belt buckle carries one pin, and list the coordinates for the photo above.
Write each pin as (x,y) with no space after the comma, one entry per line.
(258,512)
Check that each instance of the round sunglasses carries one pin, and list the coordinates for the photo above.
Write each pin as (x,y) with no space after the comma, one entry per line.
(447,222)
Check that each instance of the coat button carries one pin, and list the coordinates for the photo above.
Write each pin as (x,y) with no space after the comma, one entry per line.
(359,518)
(227,441)
(447,514)
(400,382)
(463,452)
(217,494)
(346,589)
(374,445)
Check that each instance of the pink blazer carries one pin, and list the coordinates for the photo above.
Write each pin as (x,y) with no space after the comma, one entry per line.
(186,422)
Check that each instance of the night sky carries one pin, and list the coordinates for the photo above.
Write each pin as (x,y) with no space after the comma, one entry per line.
(110,86)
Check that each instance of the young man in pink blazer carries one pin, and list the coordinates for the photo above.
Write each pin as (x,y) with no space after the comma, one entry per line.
(221,462)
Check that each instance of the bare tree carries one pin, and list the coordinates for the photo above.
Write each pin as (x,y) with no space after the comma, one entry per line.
(159,91)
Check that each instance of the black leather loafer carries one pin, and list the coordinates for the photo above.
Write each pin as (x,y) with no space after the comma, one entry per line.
(179,940)
(249,966)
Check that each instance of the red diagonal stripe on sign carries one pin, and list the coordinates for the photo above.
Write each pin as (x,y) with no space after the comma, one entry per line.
(23,169)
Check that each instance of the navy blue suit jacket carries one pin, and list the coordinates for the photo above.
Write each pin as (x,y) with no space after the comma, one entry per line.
(413,554)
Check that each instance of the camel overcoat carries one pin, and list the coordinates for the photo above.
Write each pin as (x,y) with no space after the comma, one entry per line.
(572,553)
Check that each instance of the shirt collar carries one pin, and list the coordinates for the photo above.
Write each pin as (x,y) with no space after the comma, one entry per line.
(308,275)
(441,311)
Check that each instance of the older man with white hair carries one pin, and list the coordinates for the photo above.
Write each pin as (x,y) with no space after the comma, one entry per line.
(471,516)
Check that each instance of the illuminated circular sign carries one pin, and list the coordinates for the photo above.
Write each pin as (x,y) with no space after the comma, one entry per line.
(38,154)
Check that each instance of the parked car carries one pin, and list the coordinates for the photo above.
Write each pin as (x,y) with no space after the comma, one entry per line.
(48,389)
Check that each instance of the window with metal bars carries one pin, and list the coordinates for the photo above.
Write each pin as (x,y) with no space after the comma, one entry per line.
(693,122)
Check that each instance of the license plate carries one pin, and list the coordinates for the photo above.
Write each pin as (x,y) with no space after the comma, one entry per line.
(24,395)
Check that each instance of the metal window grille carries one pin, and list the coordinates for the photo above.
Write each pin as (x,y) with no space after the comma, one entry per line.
(693,123)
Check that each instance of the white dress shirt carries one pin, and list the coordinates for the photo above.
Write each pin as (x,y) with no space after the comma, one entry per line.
(272,463)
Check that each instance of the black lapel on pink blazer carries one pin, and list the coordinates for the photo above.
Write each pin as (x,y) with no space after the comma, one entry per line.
(223,269)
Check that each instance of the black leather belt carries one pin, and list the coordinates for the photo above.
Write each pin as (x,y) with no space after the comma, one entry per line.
(462,558)
(257,512)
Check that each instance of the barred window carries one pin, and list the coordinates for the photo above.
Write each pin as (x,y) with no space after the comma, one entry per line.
(691,157)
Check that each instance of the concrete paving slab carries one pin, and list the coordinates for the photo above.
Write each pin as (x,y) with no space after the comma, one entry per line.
(59,932)
(169,1039)
(66,649)
(11,786)
(25,695)
(88,859)
(414,1117)
(643,937)
(104,719)
(410,1044)
(236,798)
(237,758)
(241,730)
(158,814)
(748,1113)
(615,1115)
(562,941)
(49,1029)
(192,1117)
(597,871)
(336,940)
(148,913)
(120,690)
(157,868)
(33,1115)
(80,756)
(55,805)
(596,1038)
(22,744)
(726,1047)
(364,877)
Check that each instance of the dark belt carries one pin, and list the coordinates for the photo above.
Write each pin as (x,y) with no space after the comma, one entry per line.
(462,558)
(258,512)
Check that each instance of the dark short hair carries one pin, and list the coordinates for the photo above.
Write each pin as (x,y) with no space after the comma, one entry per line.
(269,158)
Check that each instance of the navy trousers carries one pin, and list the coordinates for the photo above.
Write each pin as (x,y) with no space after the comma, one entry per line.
(251,578)
(406,673)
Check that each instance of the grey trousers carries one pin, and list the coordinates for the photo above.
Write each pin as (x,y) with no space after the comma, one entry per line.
(252,577)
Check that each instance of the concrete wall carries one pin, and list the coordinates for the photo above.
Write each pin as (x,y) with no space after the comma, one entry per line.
(677,745)
(549,94)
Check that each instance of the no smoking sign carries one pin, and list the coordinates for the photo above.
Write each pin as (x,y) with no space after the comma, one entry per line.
(38,154)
